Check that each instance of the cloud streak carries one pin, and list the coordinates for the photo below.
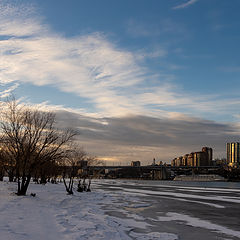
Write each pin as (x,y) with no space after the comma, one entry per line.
(185,5)
(8,90)
(113,80)
(88,65)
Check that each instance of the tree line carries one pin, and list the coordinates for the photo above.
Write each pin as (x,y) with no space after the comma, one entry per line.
(32,147)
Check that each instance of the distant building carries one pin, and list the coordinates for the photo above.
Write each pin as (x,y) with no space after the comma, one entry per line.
(209,153)
(190,160)
(195,159)
(135,163)
(200,159)
(185,160)
(179,161)
(233,154)
(173,162)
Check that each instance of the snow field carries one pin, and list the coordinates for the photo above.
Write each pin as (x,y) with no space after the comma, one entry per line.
(53,214)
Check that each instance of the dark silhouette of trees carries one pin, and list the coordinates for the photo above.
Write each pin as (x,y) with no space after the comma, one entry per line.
(30,140)
(72,163)
(47,172)
(75,165)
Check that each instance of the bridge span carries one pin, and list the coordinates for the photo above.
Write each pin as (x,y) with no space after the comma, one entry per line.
(155,167)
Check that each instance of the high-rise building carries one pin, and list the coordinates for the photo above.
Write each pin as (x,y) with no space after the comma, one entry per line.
(190,161)
(233,154)
(209,154)
(173,162)
(179,161)
(185,160)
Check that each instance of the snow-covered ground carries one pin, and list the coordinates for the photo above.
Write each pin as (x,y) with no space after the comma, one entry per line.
(54,215)
(119,210)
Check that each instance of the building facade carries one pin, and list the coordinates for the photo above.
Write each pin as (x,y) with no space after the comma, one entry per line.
(233,154)
(200,159)
(195,159)
(209,155)
(190,160)
(185,160)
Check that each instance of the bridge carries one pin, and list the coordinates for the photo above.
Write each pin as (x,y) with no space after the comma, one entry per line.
(157,172)
(154,167)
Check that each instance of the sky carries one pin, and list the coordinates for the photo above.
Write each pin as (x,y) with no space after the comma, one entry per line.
(139,79)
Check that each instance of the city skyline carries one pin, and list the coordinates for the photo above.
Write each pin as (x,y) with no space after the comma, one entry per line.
(138,80)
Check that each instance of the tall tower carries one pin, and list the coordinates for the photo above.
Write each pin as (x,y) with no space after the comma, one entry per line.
(209,155)
(233,154)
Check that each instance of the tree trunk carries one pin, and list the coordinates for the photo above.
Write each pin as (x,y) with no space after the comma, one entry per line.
(1,174)
(24,186)
(10,176)
(43,180)
(69,187)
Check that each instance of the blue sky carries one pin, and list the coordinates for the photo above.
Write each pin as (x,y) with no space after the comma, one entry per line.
(129,66)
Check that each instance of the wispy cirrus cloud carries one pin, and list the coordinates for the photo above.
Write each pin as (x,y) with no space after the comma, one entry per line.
(7,90)
(137,114)
(185,5)
(114,80)
(89,66)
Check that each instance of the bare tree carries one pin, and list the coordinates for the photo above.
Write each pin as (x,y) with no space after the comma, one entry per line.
(71,164)
(31,139)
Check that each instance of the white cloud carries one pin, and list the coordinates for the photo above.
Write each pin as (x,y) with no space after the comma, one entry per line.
(111,78)
(8,90)
(184,5)
(90,66)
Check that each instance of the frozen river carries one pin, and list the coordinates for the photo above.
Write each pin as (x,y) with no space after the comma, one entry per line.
(188,210)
